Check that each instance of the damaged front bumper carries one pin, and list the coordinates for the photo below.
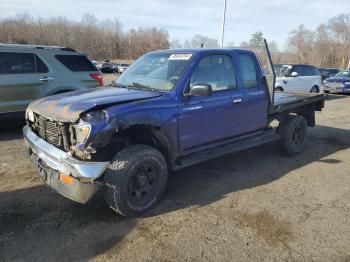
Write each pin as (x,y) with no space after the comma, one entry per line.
(51,162)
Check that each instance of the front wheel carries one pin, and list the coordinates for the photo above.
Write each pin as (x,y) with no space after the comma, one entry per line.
(135,180)
(293,131)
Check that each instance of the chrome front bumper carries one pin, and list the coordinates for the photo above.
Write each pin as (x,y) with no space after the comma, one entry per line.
(62,161)
(51,162)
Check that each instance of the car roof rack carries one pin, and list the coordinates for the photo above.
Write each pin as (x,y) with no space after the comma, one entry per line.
(37,47)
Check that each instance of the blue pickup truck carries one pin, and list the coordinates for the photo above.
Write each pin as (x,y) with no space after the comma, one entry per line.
(169,110)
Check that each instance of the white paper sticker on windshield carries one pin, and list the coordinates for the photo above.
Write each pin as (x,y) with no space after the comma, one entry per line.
(180,57)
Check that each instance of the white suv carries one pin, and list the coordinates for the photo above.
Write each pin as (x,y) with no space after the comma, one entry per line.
(298,78)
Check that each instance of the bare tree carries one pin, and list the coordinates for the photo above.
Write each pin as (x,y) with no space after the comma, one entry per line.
(101,40)
(301,41)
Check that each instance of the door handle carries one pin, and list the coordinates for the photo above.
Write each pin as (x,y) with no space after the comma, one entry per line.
(46,78)
(237,101)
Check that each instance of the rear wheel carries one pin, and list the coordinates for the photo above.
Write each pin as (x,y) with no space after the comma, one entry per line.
(294,132)
(135,180)
(314,89)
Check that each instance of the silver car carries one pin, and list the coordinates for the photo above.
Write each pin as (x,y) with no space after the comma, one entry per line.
(29,72)
(122,67)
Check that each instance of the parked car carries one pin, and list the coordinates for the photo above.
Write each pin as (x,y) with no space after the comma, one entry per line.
(122,68)
(277,68)
(328,72)
(115,67)
(124,139)
(298,78)
(95,64)
(340,83)
(29,72)
(108,67)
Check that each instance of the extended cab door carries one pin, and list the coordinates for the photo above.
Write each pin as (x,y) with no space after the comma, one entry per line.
(207,119)
(255,100)
(23,78)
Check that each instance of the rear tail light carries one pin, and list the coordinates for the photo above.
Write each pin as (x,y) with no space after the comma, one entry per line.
(98,77)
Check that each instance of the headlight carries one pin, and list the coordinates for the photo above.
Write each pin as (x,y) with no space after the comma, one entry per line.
(95,116)
(83,133)
(30,115)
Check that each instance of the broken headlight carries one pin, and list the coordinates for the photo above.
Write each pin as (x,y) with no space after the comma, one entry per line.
(82,133)
(29,115)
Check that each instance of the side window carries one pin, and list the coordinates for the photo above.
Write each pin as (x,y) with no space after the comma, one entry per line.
(17,63)
(315,71)
(297,69)
(307,71)
(76,63)
(21,63)
(248,71)
(40,65)
(215,70)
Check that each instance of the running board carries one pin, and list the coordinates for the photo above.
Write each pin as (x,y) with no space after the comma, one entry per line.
(266,137)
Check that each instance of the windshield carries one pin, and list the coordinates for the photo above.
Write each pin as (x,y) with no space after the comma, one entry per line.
(343,74)
(159,71)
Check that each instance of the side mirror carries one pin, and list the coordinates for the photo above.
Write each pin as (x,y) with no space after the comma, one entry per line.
(201,90)
(294,74)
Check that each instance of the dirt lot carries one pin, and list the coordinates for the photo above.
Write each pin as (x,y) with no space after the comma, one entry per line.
(254,205)
(108,78)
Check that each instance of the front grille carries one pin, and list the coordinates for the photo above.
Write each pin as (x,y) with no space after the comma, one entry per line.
(55,133)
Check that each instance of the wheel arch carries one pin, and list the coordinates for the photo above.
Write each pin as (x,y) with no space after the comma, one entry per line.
(318,88)
(147,134)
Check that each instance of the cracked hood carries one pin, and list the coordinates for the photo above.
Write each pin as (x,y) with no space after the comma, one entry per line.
(68,107)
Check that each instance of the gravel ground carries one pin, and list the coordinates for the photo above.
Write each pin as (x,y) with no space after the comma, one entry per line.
(249,206)
(109,78)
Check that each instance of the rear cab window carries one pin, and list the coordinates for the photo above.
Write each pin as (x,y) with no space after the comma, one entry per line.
(248,71)
(21,63)
(76,63)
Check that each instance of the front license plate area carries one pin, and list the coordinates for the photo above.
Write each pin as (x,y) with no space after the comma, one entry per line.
(40,167)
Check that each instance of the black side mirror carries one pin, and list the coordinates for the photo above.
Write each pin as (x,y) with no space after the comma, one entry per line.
(201,90)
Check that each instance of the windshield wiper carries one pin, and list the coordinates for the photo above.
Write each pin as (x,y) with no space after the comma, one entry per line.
(143,87)
(118,85)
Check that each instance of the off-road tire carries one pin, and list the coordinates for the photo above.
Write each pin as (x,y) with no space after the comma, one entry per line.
(294,132)
(123,170)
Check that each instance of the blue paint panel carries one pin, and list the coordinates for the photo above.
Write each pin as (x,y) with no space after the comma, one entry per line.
(189,122)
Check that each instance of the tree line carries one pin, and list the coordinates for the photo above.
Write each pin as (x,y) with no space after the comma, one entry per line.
(101,39)
(327,46)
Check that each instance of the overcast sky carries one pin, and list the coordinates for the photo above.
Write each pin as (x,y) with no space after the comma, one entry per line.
(184,18)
